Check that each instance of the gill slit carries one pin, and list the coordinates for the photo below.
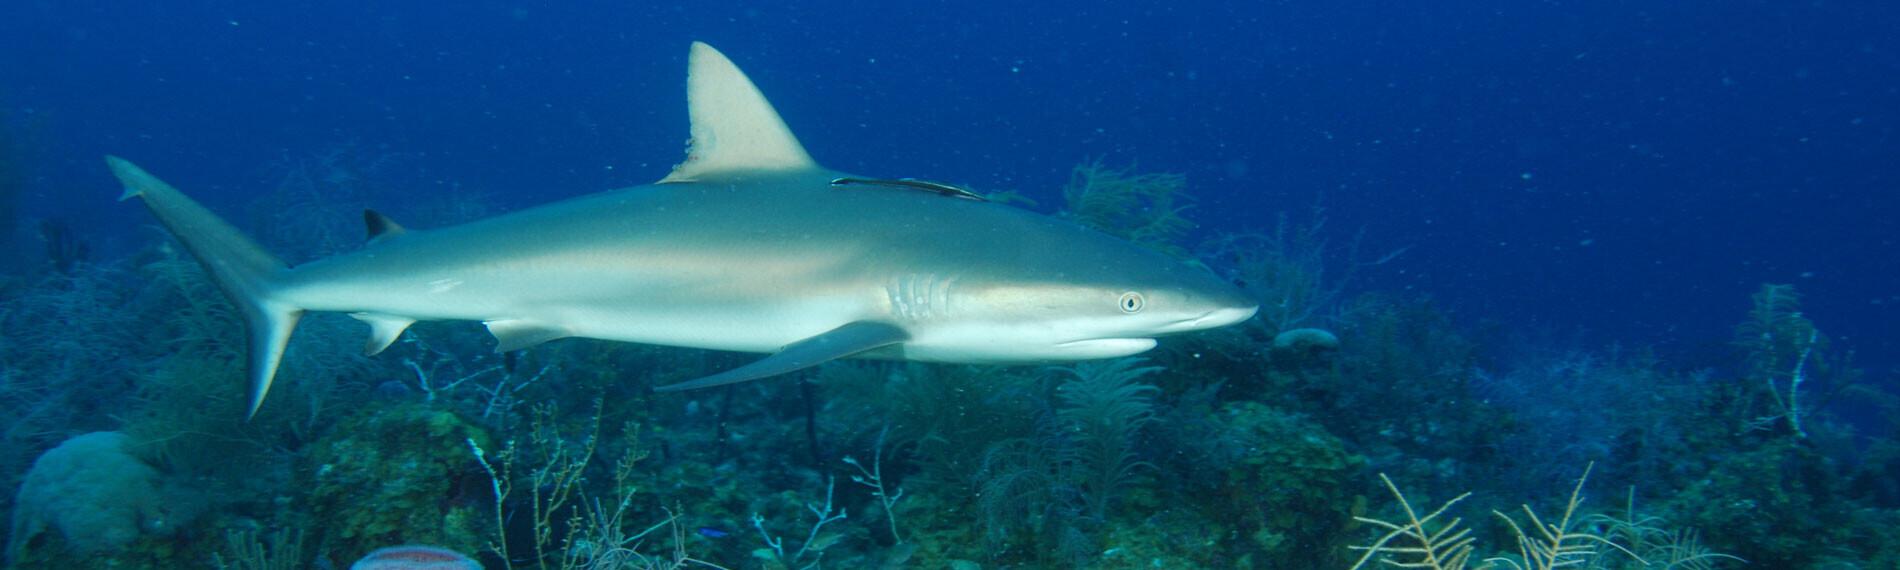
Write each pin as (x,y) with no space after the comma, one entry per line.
(920,296)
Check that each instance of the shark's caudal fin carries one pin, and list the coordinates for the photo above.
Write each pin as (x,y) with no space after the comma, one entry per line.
(734,128)
(241,268)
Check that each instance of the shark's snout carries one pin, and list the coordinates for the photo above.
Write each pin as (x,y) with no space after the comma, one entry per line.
(1211,303)
(1224,316)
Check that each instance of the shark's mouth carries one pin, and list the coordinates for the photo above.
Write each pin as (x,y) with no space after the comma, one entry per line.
(1214,319)
(1105,347)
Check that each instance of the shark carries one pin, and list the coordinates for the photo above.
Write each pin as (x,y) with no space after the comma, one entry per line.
(747,245)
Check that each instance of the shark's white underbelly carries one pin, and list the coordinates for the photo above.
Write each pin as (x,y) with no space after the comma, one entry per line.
(754,328)
(607,307)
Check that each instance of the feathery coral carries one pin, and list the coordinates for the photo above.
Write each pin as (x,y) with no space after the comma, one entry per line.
(1446,547)
(1102,409)
(1556,545)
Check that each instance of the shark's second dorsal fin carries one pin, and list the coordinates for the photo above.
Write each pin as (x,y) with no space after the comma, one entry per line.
(734,128)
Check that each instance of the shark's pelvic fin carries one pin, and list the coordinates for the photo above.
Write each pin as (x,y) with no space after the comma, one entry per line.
(381,228)
(734,128)
(383,330)
(242,269)
(515,334)
(834,344)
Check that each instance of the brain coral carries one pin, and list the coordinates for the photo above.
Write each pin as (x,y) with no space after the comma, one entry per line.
(97,494)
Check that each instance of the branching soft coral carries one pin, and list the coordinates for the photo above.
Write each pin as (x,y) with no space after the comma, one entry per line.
(1425,542)
(1142,207)
(1418,542)
(1558,545)
(1781,347)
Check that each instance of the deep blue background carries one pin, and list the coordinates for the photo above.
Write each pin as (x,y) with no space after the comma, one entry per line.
(1629,169)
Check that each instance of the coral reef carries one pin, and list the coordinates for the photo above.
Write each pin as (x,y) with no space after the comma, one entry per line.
(1241,448)
(1283,488)
(394,474)
(245,550)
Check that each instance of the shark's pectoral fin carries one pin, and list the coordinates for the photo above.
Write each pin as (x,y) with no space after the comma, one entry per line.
(834,344)
(383,330)
(515,334)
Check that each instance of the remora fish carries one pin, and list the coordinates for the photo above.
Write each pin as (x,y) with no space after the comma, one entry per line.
(749,246)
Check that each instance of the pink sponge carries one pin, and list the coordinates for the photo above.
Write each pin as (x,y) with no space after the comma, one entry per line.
(415,558)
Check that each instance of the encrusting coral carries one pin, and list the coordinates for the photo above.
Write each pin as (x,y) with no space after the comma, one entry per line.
(395,475)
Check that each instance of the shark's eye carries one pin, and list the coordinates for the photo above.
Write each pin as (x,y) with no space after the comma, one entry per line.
(1132,302)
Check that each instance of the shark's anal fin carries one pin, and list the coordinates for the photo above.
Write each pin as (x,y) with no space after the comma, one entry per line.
(913,184)
(380,227)
(515,334)
(847,340)
(734,128)
(383,330)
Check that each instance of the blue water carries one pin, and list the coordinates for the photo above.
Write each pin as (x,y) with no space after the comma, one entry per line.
(1619,172)
(1629,169)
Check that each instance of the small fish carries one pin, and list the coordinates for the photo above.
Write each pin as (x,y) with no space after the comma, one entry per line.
(710,532)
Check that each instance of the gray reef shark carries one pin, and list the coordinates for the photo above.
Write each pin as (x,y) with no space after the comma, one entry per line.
(749,246)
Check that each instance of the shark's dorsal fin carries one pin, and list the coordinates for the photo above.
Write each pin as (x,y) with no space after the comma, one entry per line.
(734,128)
(380,227)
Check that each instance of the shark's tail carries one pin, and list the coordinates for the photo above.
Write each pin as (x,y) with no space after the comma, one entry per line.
(242,269)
